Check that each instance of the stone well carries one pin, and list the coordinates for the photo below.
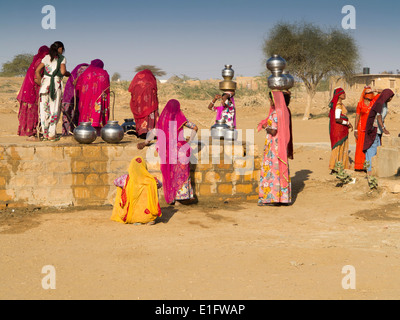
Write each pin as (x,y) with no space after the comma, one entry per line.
(69,174)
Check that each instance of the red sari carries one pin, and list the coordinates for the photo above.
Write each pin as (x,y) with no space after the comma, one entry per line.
(28,97)
(93,89)
(362,111)
(339,133)
(144,101)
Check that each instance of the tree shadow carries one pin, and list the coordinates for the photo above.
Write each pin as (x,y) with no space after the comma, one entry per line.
(298,182)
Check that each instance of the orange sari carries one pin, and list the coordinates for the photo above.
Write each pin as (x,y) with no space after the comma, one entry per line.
(362,111)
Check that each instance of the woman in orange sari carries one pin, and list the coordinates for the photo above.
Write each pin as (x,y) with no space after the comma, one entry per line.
(365,104)
(137,198)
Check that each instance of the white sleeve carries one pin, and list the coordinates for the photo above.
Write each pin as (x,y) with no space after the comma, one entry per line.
(150,135)
(338,112)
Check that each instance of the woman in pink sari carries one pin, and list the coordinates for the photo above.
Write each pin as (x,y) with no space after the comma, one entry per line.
(71,100)
(174,152)
(28,98)
(93,89)
(275,184)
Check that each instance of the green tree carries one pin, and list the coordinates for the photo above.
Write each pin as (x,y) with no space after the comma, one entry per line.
(313,54)
(116,76)
(155,70)
(18,66)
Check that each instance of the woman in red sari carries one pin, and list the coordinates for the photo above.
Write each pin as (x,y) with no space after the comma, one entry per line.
(93,89)
(28,98)
(339,126)
(144,102)
(365,104)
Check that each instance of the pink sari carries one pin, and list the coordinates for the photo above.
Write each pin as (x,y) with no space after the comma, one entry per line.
(93,89)
(173,150)
(285,144)
(28,97)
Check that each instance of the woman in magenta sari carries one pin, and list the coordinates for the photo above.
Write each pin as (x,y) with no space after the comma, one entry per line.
(93,89)
(275,184)
(174,152)
(144,102)
(28,98)
(71,100)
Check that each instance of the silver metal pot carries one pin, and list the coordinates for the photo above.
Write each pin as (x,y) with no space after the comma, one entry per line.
(230,133)
(277,82)
(276,64)
(112,132)
(289,79)
(228,72)
(218,130)
(85,133)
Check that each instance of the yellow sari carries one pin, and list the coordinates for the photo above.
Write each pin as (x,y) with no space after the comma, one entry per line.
(137,201)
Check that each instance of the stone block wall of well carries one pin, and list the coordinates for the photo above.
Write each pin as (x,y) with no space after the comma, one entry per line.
(83,175)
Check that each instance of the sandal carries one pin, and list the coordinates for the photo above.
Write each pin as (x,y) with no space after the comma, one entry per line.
(52,139)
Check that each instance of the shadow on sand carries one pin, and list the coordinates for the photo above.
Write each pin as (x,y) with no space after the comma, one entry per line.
(298,182)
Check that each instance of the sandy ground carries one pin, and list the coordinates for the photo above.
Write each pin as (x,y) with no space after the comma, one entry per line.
(213,250)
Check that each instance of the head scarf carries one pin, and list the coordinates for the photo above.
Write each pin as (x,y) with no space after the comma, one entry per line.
(93,88)
(173,150)
(338,132)
(370,130)
(143,89)
(97,63)
(137,201)
(29,91)
(69,86)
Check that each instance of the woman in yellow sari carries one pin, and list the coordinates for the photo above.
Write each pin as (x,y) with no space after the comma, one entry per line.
(137,199)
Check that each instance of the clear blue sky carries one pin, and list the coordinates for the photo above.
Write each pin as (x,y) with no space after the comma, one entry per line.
(192,37)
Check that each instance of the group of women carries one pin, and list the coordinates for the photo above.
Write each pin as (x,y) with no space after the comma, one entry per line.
(42,99)
(369,127)
(87,98)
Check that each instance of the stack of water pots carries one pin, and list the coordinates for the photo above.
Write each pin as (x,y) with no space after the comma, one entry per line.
(220,130)
(280,79)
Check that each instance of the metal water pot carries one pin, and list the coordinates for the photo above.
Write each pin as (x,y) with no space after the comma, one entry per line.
(218,129)
(277,82)
(85,133)
(289,79)
(129,126)
(112,132)
(276,64)
(228,72)
(230,133)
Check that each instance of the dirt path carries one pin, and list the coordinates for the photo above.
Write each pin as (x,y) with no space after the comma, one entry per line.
(213,251)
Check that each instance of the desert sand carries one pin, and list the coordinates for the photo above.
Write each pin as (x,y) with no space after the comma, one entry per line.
(214,250)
